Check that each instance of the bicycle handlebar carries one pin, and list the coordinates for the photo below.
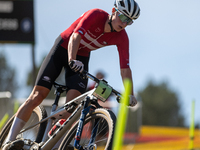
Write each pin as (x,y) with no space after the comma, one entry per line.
(88,75)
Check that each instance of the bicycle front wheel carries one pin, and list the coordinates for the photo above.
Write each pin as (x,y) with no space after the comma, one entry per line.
(100,120)
(33,134)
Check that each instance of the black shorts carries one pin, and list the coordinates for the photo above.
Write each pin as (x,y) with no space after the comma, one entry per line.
(52,67)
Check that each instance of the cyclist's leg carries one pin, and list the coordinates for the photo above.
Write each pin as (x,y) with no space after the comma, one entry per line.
(71,94)
(25,110)
(38,94)
(49,71)
(23,114)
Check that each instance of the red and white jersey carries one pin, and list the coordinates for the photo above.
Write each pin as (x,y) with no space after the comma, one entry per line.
(91,28)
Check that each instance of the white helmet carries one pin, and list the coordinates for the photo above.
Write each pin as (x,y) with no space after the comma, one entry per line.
(128,7)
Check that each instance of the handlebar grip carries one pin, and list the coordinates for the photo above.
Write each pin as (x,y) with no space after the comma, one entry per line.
(84,72)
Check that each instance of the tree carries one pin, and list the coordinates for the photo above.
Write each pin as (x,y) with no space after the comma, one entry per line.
(7,76)
(160,106)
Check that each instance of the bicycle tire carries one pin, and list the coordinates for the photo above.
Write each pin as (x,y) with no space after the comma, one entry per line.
(107,120)
(35,134)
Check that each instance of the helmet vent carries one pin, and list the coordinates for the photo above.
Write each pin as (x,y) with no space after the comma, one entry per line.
(129,5)
(135,8)
(137,14)
(122,3)
(125,12)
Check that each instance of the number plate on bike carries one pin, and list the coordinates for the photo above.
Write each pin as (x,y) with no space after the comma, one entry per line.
(103,91)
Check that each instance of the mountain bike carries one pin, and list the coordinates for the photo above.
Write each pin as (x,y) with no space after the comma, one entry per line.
(90,126)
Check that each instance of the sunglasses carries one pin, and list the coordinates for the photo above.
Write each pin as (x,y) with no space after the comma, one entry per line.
(124,18)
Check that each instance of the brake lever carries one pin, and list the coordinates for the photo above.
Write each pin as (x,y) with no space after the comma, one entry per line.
(83,76)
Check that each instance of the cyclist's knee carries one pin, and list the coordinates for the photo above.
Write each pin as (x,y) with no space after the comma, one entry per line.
(37,96)
(71,94)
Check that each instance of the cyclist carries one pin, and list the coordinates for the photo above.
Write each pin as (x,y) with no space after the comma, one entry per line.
(71,50)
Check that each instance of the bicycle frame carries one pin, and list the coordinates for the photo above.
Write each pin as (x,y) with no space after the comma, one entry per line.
(84,104)
(84,112)
(48,143)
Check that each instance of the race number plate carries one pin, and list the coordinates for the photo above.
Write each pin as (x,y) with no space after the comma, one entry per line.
(103,91)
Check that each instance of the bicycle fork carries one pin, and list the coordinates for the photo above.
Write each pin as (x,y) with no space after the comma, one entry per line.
(84,112)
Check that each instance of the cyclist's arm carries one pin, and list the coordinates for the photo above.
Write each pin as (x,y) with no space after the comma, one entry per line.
(126,73)
(73,46)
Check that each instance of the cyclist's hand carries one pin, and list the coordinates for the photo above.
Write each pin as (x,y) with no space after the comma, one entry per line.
(76,65)
(132,100)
